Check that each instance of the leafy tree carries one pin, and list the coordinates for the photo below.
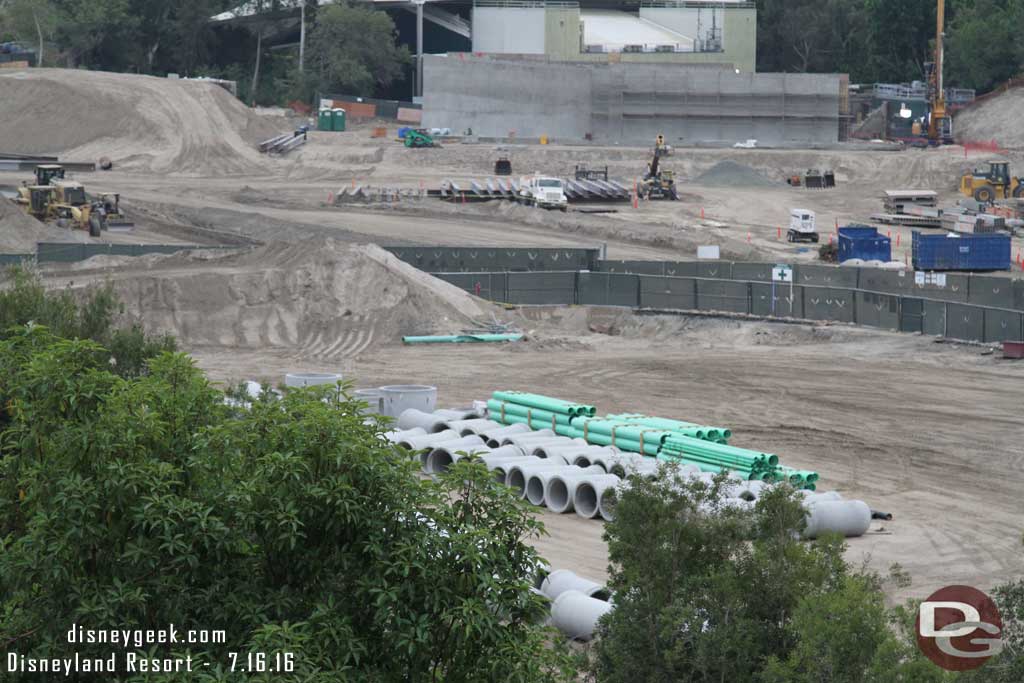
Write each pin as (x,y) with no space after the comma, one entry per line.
(735,595)
(34,21)
(353,49)
(982,47)
(292,526)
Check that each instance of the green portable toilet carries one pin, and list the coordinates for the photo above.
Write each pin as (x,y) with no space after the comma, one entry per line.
(324,120)
(338,116)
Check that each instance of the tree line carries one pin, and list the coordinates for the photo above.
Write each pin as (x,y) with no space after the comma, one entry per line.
(353,48)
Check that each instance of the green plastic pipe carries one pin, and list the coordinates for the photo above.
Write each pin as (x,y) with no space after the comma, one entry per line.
(462,338)
(686,443)
(621,430)
(534,423)
(673,425)
(620,443)
(495,409)
(555,405)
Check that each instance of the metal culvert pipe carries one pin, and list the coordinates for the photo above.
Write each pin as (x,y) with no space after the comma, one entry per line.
(474,426)
(501,468)
(519,439)
(562,580)
(846,517)
(493,436)
(398,435)
(467,443)
(537,484)
(430,422)
(415,443)
(587,496)
(576,615)
(519,474)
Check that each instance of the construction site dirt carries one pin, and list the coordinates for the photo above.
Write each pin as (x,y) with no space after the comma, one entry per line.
(930,432)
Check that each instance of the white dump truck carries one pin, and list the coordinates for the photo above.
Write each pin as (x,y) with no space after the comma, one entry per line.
(543,191)
(801,226)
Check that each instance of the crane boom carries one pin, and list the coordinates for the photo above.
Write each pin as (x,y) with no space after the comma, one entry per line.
(939,129)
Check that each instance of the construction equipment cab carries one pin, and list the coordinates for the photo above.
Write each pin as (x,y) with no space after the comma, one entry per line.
(801,226)
(987,185)
(543,191)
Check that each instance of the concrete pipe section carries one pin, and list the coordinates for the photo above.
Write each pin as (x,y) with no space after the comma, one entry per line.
(464,443)
(442,458)
(398,436)
(813,498)
(473,426)
(537,447)
(609,498)
(459,413)
(560,490)
(501,466)
(519,474)
(521,439)
(562,580)
(576,615)
(310,379)
(415,443)
(400,397)
(493,437)
(846,517)
(430,422)
(589,457)
(568,451)
(374,399)
(537,484)
(587,495)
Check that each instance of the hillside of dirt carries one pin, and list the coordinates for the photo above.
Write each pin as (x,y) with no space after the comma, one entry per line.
(19,233)
(139,122)
(322,298)
(997,118)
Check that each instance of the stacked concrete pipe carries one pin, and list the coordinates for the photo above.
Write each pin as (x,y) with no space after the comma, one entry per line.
(586,458)
(562,580)
(576,615)
(397,436)
(474,426)
(442,458)
(568,451)
(415,443)
(560,489)
(522,439)
(466,443)
(494,436)
(587,496)
(540,449)
(537,484)
(519,473)
(429,422)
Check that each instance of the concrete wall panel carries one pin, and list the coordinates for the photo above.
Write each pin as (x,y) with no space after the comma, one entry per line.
(986,290)
(517,30)
(964,322)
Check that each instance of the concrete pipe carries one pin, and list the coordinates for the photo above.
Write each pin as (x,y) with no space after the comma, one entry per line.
(541,449)
(465,443)
(562,580)
(846,517)
(415,443)
(310,379)
(440,459)
(400,397)
(560,489)
(751,490)
(576,615)
(536,447)
(609,461)
(823,497)
(493,436)
(537,484)
(569,451)
(737,503)
(587,496)
(589,457)
(609,498)
(398,435)
(374,399)
(519,473)
(520,439)
(430,422)
(502,469)
(475,426)
(499,454)
(459,413)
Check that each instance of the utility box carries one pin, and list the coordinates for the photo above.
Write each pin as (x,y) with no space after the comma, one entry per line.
(325,120)
(981,251)
(863,242)
(337,119)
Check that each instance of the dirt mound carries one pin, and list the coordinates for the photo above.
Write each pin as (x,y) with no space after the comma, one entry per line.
(140,122)
(321,298)
(997,118)
(19,233)
(729,173)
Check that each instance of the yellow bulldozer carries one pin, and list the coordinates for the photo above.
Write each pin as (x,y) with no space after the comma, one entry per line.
(53,197)
(988,184)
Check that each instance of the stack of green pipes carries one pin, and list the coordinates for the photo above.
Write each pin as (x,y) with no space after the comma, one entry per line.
(670,440)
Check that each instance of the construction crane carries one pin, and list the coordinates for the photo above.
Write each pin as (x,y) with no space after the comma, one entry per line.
(940,124)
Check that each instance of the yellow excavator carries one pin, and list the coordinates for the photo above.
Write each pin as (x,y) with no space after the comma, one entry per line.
(658,183)
(53,197)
